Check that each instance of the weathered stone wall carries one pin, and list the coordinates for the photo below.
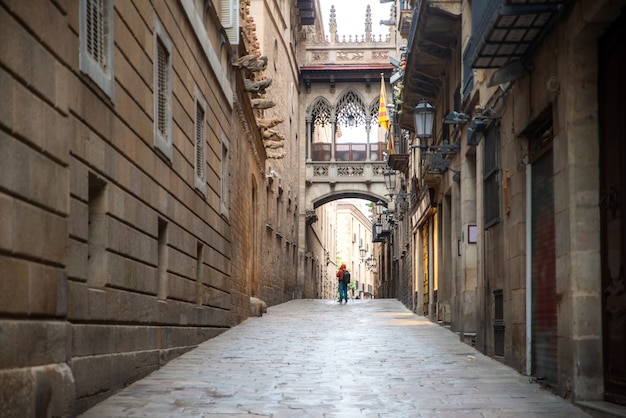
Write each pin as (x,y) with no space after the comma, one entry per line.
(35,139)
(112,261)
(278,252)
(564,80)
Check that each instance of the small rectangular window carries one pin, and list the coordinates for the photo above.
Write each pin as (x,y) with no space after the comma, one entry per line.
(162,90)
(96,43)
(224,201)
(199,142)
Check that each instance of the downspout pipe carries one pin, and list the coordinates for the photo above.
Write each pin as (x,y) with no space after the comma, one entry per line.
(529,285)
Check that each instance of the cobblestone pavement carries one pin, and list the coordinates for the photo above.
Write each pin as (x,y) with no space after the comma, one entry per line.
(313,358)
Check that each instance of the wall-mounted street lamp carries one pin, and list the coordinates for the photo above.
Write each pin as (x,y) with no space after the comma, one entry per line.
(362,253)
(424,116)
(390,180)
(380,206)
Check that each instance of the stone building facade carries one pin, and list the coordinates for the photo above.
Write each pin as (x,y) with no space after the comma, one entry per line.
(516,222)
(321,257)
(354,238)
(144,179)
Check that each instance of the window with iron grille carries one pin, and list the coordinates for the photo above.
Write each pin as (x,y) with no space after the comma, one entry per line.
(224,201)
(491,172)
(162,90)
(199,143)
(96,43)
(498,323)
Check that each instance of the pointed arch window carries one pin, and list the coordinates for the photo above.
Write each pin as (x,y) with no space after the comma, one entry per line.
(351,110)
(321,130)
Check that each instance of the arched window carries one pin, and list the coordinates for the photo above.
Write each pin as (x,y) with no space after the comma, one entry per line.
(352,117)
(321,130)
(350,110)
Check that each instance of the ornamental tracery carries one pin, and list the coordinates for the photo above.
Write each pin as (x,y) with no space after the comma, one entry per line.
(350,110)
(321,112)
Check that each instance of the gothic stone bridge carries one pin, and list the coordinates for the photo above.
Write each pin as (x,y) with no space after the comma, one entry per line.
(343,80)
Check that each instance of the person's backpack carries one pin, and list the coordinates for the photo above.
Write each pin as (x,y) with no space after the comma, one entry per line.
(346,277)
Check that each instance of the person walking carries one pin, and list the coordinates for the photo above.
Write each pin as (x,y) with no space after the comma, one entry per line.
(343,277)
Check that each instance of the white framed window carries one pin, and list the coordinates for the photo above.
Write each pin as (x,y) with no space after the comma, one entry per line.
(96,43)
(229,15)
(162,90)
(199,137)
(224,172)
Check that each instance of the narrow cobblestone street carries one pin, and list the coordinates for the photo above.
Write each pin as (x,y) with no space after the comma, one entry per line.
(312,358)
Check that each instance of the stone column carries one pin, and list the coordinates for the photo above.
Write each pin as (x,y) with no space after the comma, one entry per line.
(308,138)
(333,136)
(368,129)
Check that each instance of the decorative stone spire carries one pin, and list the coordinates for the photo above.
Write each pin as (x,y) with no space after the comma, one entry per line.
(333,24)
(368,24)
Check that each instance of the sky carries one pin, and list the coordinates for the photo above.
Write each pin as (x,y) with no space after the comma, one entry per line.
(351,16)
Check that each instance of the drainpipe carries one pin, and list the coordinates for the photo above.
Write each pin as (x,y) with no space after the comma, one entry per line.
(529,288)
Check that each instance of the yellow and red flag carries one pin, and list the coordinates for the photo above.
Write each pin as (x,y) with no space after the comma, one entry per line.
(383,118)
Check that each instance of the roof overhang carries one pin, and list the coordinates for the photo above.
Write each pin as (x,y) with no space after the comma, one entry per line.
(333,73)
(434,36)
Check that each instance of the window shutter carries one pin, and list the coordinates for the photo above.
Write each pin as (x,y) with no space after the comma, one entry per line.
(95,31)
(162,86)
(230,19)
(199,142)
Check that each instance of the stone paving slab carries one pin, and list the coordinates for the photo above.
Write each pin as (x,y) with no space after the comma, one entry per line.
(314,358)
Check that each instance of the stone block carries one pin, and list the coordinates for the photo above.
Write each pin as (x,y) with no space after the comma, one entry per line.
(89,340)
(42,235)
(517,312)
(92,375)
(181,288)
(586,272)
(123,239)
(47,291)
(126,273)
(129,367)
(79,179)
(15,161)
(40,124)
(6,104)
(7,214)
(38,342)
(14,285)
(216,298)
(54,390)
(77,267)
(585,320)
(101,304)
(124,305)
(78,305)
(181,263)
(135,338)
(78,226)
(17,393)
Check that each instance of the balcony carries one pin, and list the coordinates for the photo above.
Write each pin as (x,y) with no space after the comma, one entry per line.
(348,151)
(306,9)
(504,31)
(406,18)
